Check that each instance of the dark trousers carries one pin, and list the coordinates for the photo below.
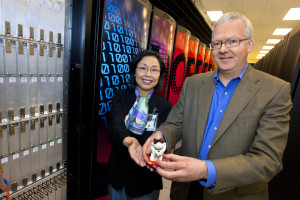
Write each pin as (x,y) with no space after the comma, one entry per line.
(195,191)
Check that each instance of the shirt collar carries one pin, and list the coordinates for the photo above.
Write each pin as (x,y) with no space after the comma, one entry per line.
(216,76)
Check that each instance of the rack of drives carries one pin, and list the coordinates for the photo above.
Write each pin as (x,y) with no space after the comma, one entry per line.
(33,62)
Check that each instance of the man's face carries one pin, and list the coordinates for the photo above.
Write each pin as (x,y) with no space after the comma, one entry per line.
(231,59)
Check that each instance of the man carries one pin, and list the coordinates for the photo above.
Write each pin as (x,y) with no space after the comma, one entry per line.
(233,123)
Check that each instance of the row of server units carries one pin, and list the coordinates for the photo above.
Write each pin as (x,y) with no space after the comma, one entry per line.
(32,73)
(283,60)
(130,27)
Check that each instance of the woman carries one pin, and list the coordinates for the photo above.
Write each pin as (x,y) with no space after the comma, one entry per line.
(135,115)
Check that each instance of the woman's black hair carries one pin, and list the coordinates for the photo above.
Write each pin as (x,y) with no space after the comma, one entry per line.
(138,58)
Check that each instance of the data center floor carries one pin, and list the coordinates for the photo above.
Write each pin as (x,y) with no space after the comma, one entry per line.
(165,192)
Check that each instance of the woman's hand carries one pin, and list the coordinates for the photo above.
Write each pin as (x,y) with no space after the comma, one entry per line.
(135,150)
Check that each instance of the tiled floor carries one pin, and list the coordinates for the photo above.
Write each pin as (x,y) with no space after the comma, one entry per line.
(165,192)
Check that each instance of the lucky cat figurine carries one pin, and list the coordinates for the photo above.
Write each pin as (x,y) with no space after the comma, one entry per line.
(158,148)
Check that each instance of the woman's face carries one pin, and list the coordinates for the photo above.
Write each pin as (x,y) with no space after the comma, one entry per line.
(147,74)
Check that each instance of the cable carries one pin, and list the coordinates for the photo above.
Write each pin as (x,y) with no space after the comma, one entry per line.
(4,187)
(1,170)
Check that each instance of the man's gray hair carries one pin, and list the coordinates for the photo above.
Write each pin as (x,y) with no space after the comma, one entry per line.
(231,16)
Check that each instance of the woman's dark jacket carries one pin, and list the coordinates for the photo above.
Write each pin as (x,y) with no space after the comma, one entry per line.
(122,170)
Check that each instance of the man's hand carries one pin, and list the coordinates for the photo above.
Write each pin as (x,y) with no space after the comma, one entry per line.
(135,150)
(183,169)
(147,146)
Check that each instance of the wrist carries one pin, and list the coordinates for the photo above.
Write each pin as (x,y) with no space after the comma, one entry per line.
(205,170)
(128,141)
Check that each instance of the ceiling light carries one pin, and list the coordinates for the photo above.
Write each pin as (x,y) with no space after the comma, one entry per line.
(292,14)
(263,51)
(258,57)
(214,15)
(281,31)
(273,41)
(267,47)
(261,55)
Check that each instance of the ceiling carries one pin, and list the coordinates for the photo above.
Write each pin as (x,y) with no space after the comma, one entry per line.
(265,15)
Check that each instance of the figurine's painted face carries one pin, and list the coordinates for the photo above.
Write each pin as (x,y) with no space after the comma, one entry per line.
(159,144)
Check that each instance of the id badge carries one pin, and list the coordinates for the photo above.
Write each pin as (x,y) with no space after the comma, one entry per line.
(152,121)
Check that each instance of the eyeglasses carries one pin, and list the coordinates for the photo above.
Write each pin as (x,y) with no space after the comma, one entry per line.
(229,43)
(144,70)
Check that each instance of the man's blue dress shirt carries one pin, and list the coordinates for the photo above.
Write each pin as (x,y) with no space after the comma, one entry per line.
(220,100)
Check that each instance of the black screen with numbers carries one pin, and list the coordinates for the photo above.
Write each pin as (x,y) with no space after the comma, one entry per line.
(125,34)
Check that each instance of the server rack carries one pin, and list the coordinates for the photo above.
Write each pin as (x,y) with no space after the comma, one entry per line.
(284,62)
(34,60)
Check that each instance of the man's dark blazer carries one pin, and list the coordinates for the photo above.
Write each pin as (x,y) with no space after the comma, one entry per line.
(122,171)
(248,146)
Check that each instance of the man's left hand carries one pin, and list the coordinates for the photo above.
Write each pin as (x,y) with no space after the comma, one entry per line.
(183,169)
